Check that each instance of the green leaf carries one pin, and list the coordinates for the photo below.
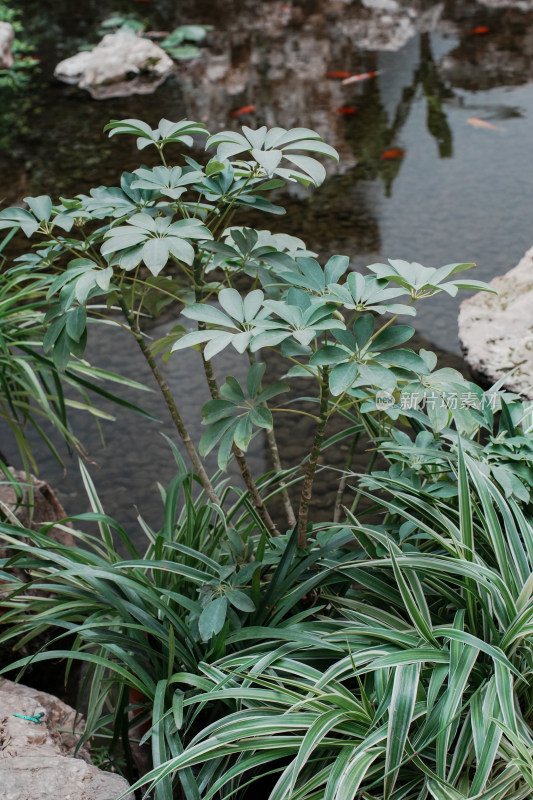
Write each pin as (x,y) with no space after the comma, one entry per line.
(76,323)
(207,313)
(272,391)
(155,255)
(363,329)
(443,791)
(335,268)
(243,433)
(18,218)
(254,378)
(212,618)
(240,600)
(310,166)
(41,207)
(393,336)
(329,354)
(159,751)
(215,410)
(262,417)
(341,377)
(268,160)
(231,390)
(405,359)
(213,167)
(231,302)
(402,704)
(214,433)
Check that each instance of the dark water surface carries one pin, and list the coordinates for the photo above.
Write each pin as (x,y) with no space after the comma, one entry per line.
(460,193)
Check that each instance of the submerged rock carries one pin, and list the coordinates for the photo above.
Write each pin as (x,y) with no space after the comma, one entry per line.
(496,330)
(7,35)
(122,64)
(37,761)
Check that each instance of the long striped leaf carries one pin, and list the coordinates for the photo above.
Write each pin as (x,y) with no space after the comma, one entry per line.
(401,708)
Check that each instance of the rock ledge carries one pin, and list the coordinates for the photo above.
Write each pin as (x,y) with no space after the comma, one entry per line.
(496,330)
(36,761)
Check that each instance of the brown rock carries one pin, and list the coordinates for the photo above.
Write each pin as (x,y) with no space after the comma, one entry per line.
(37,761)
(32,503)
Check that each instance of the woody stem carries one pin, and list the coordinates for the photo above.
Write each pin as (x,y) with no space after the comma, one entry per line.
(171,403)
(307,488)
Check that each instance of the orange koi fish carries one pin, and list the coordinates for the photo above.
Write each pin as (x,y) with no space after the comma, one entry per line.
(244,110)
(394,152)
(347,111)
(363,76)
(481,30)
(338,74)
(482,123)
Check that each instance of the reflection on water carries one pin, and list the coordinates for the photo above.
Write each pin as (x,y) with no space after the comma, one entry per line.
(452,192)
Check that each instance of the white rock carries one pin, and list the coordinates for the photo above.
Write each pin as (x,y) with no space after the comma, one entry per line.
(120,65)
(496,330)
(520,5)
(7,35)
(36,761)
(381,5)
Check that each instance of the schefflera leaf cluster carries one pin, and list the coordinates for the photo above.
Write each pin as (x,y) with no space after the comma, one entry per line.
(167,213)
(111,248)
(326,322)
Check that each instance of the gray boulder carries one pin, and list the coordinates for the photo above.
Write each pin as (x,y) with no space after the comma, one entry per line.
(37,761)
(496,330)
(122,64)
(7,35)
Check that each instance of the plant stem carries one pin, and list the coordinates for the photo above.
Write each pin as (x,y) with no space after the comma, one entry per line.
(307,488)
(225,213)
(171,403)
(237,452)
(367,471)
(276,462)
(344,479)
(241,460)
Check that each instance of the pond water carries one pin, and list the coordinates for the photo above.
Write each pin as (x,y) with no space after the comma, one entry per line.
(460,192)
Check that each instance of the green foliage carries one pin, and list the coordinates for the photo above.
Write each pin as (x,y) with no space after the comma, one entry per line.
(152,241)
(417,686)
(504,455)
(33,393)
(233,416)
(16,104)
(179,44)
(386,660)
(206,585)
